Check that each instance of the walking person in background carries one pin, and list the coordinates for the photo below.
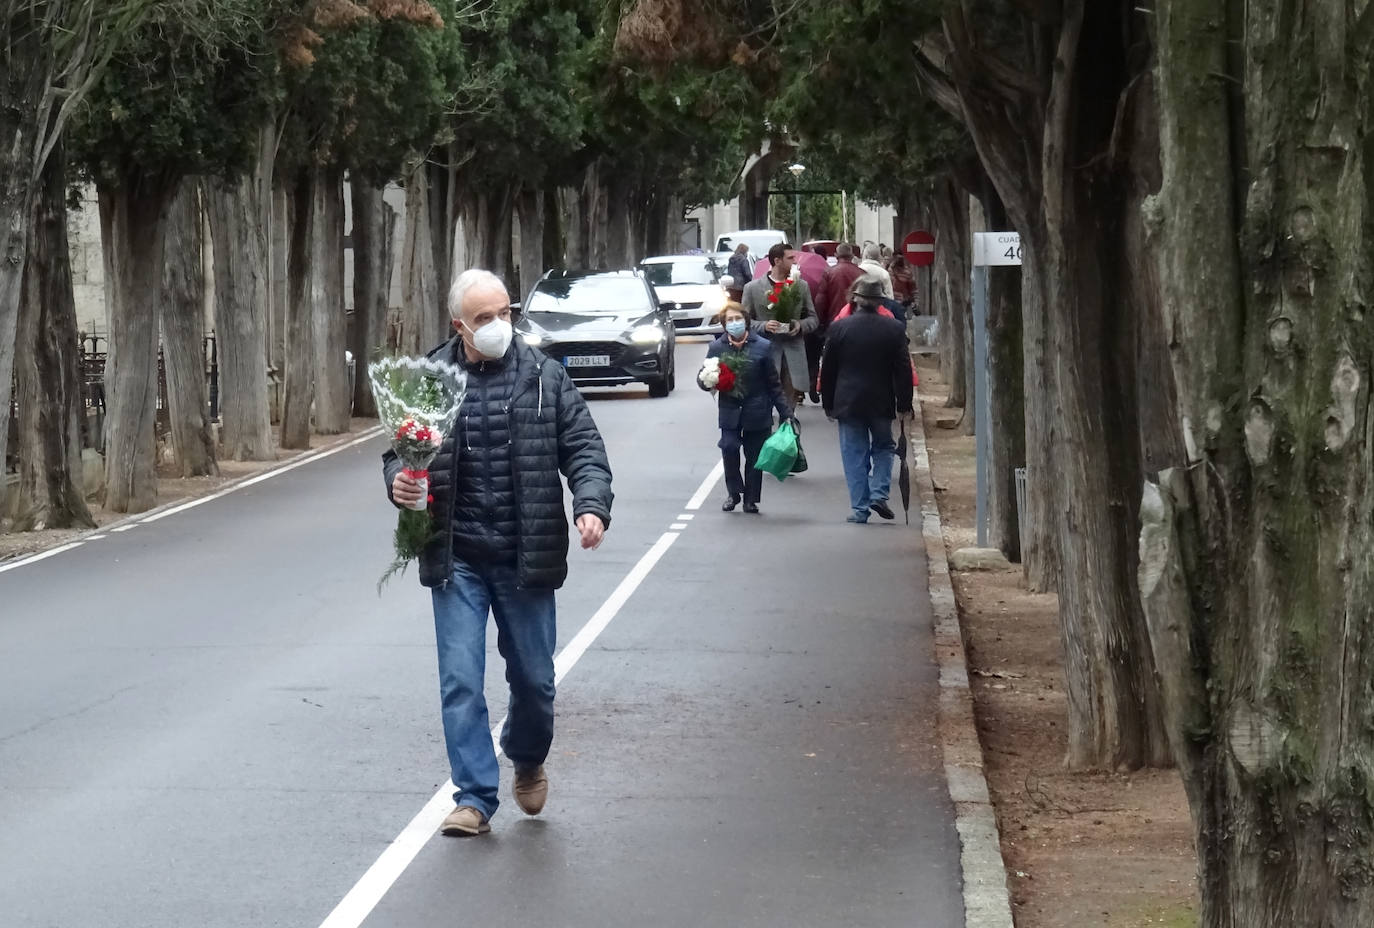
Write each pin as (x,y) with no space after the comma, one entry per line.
(501,544)
(747,397)
(866,382)
(903,283)
(873,264)
(788,339)
(835,286)
(739,269)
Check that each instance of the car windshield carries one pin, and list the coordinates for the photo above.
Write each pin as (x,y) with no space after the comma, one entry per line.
(590,295)
(672,273)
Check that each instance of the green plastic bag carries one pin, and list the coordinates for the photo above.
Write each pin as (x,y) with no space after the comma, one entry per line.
(779,452)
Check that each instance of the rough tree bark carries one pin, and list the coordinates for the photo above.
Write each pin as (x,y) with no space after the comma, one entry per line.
(297,368)
(241,312)
(422,302)
(374,242)
(1257,548)
(529,206)
(181,307)
(951,216)
(51,407)
(1066,198)
(138,223)
(328,322)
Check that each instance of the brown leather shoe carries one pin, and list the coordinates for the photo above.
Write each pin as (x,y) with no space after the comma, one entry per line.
(465,822)
(531,789)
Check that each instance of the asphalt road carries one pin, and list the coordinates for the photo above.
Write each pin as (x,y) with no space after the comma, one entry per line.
(212,719)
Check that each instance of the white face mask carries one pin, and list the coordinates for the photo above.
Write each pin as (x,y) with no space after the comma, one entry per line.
(492,339)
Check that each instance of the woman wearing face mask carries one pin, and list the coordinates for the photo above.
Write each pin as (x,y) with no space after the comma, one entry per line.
(746,407)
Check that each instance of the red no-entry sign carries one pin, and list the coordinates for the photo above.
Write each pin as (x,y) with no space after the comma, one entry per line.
(919,248)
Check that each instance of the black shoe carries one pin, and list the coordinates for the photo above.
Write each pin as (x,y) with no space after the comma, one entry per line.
(883,509)
(730,503)
(815,397)
(751,508)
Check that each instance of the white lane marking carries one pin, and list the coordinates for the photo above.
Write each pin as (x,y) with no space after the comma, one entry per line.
(678,526)
(310,458)
(358,904)
(355,907)
(268,475)
(707,485)
(685,517)
(41,556)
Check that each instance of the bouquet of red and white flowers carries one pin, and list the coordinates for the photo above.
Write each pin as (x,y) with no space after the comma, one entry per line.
(725,374)
(785,301)
(417,400)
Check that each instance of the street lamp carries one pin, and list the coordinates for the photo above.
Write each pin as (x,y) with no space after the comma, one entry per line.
(796,171)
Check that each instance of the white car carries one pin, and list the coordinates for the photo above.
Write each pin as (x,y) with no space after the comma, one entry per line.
(689,287)
(758,240)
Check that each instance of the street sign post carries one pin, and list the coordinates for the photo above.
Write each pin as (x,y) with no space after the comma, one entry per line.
(919,248)
(990,249)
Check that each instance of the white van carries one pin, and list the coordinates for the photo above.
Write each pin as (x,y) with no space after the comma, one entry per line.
(758,240)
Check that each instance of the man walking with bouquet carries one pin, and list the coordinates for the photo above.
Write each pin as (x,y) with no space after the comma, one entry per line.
(502,542)
(784,313)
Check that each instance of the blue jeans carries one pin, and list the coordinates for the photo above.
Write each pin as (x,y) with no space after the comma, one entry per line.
(526,636)
(867,449)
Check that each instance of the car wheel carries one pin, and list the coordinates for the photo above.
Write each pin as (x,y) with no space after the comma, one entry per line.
(658,389)
(672,378)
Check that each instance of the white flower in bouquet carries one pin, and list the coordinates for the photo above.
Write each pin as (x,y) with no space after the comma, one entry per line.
(710,373)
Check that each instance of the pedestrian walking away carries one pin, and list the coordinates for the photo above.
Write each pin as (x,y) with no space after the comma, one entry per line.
(873,263)
(501,543)
(739,369)
(739,269)
(786,336)
(866,382)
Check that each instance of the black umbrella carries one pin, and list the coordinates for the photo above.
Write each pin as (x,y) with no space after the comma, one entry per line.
(904,475)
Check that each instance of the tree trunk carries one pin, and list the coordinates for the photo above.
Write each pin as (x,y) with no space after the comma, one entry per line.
(182,309)
(51,406)
(1257,548)
(554,232)
(279,291)
(619,224)
(328,323)
(297,371)
(16,207)
(951,209)
(138,224)
(423,306)
(241,314)
(374,237)
(529,206)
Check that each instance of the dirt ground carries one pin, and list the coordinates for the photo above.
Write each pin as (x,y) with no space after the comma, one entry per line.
(1082,849)
(170,489)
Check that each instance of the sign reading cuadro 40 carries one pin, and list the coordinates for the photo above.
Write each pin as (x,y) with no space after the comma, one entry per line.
(996,249)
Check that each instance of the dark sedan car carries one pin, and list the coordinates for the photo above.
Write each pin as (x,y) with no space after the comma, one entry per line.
(606,328)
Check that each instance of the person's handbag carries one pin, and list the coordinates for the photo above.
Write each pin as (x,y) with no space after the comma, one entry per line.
(799,465)
(779,452)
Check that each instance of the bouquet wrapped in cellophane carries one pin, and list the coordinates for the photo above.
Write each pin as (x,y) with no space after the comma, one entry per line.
(418,401)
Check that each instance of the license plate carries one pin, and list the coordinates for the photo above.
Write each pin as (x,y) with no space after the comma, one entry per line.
(589,360)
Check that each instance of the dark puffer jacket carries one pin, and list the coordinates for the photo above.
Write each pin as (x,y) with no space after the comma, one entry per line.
(551,432)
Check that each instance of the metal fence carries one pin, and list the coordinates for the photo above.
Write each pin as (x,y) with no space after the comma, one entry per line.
(1022,510)
(94,355)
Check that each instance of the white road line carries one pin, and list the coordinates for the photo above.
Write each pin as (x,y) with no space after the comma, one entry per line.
(707,485)
(244,484)
(191,504)
(355,907)
(678,526)
(40,556)
(685,517)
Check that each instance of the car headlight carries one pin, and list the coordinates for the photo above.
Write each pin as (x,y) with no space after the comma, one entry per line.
(533,339)
(647,335)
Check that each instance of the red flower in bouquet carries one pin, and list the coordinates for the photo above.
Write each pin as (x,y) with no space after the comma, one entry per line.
(726,383)
(786,301)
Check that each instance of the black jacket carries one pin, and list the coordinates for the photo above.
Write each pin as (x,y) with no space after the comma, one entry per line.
(551,431)
(866,368)
(762,388)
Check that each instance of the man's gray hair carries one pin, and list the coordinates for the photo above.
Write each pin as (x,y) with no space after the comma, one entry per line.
(473,278)
(844,252)
(873,253)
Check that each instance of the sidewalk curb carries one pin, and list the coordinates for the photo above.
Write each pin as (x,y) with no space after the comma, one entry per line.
(987,902)
(338,443)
